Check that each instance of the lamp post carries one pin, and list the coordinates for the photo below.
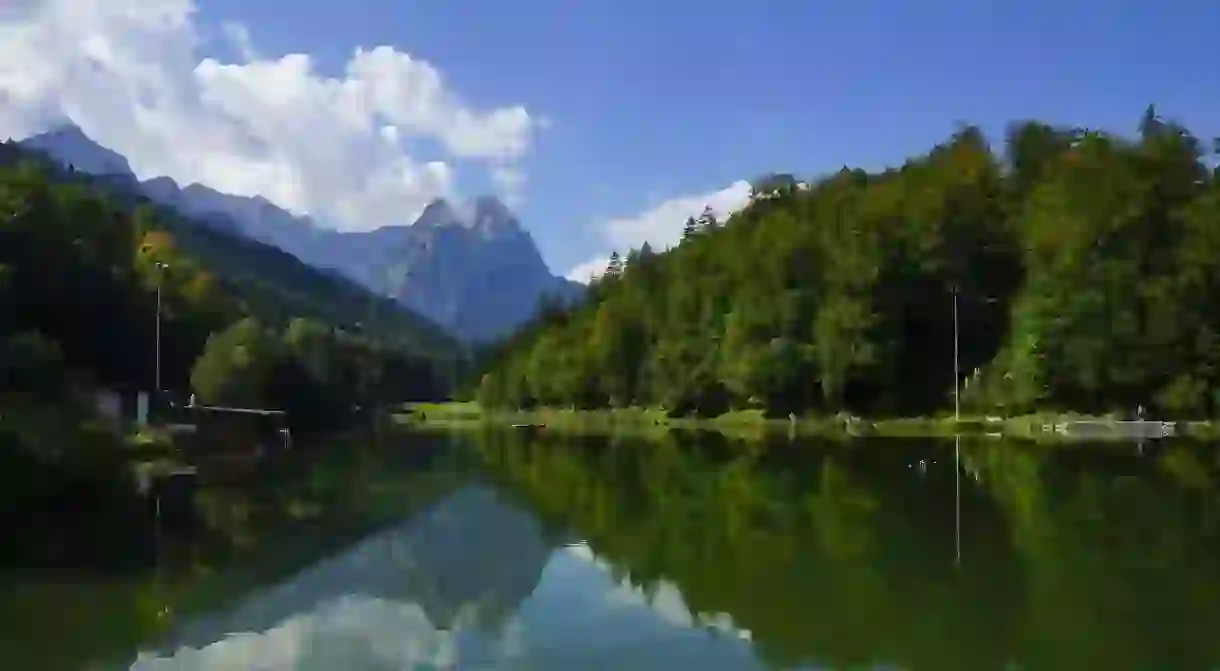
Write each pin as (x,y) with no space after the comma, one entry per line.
(957,437)
(957,499)
(957,404)
(957,396)
(161,268)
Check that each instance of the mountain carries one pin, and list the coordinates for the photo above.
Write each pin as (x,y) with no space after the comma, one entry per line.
(469,267)
(472,268)
(72,147)
(82,265)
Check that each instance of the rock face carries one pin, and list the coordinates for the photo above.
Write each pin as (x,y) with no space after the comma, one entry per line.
(476,271)
(469,267)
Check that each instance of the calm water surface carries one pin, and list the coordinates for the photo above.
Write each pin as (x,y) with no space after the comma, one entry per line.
(519,552)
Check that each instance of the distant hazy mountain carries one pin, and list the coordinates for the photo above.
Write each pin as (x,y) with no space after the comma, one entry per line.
(469,267)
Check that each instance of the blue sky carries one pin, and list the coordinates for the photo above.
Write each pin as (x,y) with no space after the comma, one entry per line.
(652,101)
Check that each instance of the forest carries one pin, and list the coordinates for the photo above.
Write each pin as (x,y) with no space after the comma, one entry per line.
(1081,268)
(86,274)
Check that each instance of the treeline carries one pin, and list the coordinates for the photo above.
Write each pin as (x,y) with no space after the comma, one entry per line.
(84,275)
(1086,270)
(318,374)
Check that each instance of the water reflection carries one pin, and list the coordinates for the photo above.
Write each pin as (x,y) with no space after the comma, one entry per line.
(540,552)
(471,581)
(963,555)
(85,609)
(411,595)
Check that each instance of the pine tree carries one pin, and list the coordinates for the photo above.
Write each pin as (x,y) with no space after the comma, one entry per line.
(1151,125)
(690,228)
(615,267)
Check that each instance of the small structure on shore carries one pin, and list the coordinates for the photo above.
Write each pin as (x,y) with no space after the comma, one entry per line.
(122,406)
(228,430)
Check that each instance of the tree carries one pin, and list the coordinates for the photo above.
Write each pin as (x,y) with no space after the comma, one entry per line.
(1082,265)
(689,228)
(236,365)
(615,267)
(1150,123)
(34,365)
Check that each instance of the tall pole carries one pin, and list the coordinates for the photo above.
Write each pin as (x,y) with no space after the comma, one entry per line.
(957,406)
(957,499)
(160,276)
(157,381)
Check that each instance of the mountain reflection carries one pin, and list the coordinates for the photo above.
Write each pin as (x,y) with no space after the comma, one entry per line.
(694,552)
(413,594)
(469,583)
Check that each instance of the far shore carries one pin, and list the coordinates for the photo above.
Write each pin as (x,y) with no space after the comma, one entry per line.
(457,416)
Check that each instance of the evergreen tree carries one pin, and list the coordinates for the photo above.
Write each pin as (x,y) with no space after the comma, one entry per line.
(615,267)
(689,229)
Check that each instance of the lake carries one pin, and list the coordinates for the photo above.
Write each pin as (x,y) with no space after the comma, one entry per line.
(513,550)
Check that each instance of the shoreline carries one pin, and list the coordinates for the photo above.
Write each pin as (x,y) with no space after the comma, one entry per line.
(1039,427)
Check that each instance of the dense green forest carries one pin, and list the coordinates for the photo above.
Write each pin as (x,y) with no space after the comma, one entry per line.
(1084,267)
(84,272)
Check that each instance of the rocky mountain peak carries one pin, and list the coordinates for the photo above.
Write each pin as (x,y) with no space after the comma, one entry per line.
(69,145)
(438,213)
(493,217)
(467,265)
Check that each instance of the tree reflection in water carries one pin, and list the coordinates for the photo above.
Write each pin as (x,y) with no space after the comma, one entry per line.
(694,551)
(87,608)
(1079,557)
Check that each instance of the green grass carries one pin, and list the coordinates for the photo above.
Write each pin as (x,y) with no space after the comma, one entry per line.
(752,423)
(743,423)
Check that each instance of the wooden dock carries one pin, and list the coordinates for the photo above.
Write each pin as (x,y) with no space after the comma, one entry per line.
(247,411)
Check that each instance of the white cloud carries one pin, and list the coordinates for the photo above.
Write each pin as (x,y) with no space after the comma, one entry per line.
(510,182)
(130,74)
(239,36)
(589,270)
(661,226)
(349,633)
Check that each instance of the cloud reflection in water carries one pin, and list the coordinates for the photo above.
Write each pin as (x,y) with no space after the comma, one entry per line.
(469,584)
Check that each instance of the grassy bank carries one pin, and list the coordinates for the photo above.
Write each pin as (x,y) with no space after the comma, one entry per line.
(468,415)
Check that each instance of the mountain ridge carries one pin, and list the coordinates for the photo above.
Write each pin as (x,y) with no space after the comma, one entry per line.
(469,266)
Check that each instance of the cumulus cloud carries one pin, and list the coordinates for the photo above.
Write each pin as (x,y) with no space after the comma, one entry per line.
(239,36)
(589,270)
(130,73)
(510,182)
(661,226)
